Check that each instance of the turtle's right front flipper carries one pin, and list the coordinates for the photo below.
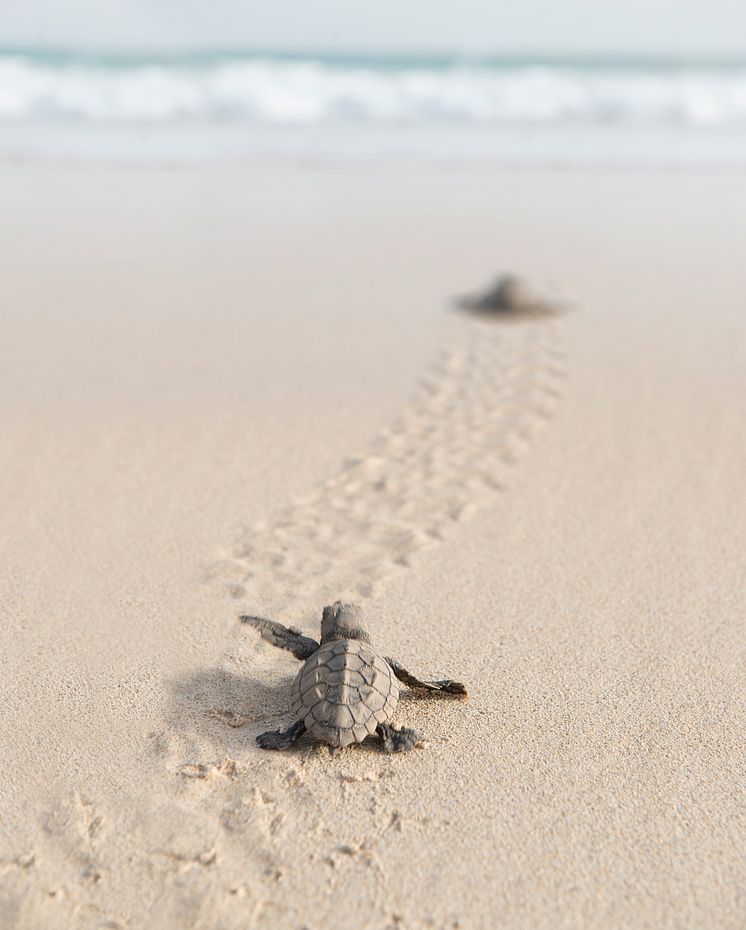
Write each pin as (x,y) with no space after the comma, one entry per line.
(444,686)
(284,637)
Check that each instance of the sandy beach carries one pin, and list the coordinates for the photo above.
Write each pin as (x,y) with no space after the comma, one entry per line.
(247,391)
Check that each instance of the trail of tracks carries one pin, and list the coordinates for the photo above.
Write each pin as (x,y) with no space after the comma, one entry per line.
(449,452)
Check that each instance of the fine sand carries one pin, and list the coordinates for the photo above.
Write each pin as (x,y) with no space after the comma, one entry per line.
(245,391)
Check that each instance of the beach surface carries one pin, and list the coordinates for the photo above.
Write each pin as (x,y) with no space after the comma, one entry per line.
(246,391)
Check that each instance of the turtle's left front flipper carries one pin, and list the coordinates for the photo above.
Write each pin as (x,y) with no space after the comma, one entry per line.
(445,686)
(284,637)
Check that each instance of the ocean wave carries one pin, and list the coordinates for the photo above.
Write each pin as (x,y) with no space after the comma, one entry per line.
(284,91)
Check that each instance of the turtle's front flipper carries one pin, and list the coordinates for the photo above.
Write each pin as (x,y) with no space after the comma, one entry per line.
(284,637)
(398,740)
(276,739)
(446,686)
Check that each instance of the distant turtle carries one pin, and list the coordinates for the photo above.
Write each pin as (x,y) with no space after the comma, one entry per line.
(509,294)
(346,690)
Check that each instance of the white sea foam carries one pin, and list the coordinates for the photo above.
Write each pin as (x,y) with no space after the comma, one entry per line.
(266,94)
(291,92)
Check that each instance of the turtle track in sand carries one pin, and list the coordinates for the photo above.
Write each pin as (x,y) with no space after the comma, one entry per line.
(450,451)
(262,821)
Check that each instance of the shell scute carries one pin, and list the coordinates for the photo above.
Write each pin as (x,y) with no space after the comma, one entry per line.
(355,680)
(326,734)
(342,717)
(337,662)
(372,698)
(342,694)
(322,711)
(314,694)
(346,737)
(360,732)
(360,712)
(310,676)
(354,662)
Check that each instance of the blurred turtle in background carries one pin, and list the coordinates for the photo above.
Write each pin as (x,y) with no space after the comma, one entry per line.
(509,295)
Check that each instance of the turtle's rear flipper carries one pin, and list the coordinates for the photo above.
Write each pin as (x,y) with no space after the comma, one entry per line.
(277,739)
(398,740)
(444,686)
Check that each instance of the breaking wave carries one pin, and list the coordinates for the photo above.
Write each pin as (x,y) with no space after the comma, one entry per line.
(287,90)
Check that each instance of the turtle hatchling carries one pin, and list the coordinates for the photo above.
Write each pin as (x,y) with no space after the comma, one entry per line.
(346,690)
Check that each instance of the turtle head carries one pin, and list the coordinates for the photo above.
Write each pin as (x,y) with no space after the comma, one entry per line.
(342,621)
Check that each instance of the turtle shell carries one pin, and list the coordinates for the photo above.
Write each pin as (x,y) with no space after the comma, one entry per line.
(344,691)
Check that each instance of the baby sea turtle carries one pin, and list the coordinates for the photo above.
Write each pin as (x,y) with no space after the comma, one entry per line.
(509,295)
(346,689)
